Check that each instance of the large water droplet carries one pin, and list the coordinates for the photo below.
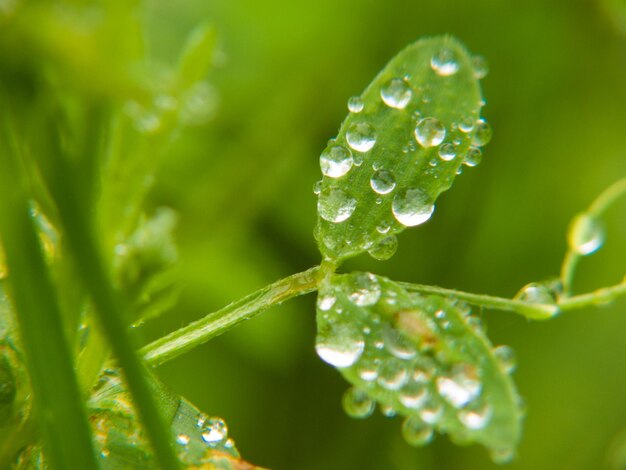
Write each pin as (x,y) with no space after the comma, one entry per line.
(447,152)
(361,136)
(474,157)
(214,431)
(398,345)
(396,93)
(383,182)
(357,403)
(392,374)
(355,104)
(430,132)
(586,234)
(336,161)
(384,249)
(506,358)
(480,66)
(412,207)
(365,289)
(536,293)
(444,62)
(334,205)
(416,432)
(339,344)
(483,133)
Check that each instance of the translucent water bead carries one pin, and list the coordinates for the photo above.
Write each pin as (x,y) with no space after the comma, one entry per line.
(430,132)
(334,205)
(412,207)
(355,104)
(586,234)
(361,136)
(396,93)
(444,63)
(339,344)
(336,161)
(357,403)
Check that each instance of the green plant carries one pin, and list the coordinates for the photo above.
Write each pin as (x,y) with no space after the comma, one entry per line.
(80,126)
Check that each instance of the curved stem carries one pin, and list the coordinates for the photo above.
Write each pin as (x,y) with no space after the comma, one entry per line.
(216,323)
(597,297)
(597,208)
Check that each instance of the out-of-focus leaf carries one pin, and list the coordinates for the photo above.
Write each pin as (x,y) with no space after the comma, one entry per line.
(197,56)
(423,357)
(401,146)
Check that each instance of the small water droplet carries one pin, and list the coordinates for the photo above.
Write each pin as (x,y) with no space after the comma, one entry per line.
(447,152)
(336,161)
(415,432)
(396,93)
(398,345)
(357,403)
(339,344)
(182,439)
(475,418)
(480,66)
(414,395)
(368,369)
(384,249)
(467,124)
(355,104)
(444,62)
(483,133)
(365,289)
(431,413)
(383,182)
(214,431)
(361,136)
(383,227)
(326,301)
(536,293)
(460,388)
(506,358)
(335,206)
(317,187)
(586,234)
(392,374)
(412,207)
(430,132)
(388,411)
(474,157)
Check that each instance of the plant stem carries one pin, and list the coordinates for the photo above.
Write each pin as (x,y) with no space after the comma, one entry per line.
(597,208)
(597,297)
(216,323)
(527,309)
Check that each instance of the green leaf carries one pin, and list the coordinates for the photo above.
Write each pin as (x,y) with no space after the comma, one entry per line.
(400,147)
(197,56)
(423,357)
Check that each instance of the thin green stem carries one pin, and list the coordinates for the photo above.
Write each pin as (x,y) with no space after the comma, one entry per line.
(597,297)
(596,210)
(529,310)
(216,323)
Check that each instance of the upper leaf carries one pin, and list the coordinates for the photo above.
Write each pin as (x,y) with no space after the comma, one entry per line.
(401,146)
(423,357)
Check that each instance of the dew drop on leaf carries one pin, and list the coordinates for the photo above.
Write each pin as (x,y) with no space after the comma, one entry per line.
(447,152)
(392,374)
(467,124)
(361,136)
(475,418)
(383,182)
(480,66)
(334,205)
(474,157)
(396,93)
(430,132)
(365,289)
(444,62)
(182,439)
(384,249)
(336,161)
(357,403)
(586,234)
(214,431)
(414,394)
(536,293)
(483,133)
(416,432)
(340,344)
(355,104)
(412,207)
(506,358)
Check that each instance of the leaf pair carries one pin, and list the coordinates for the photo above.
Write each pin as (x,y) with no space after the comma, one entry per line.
(423,357)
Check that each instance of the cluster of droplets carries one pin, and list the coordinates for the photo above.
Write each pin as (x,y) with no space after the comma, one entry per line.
(397,355)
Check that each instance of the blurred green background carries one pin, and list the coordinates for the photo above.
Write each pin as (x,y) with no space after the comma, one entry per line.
(242,183)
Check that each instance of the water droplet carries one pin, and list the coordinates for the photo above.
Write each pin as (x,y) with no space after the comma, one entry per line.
(447,152)
(412,207)
(444,62)
(398,345)
(383,227)
(392,374)
(326,301)
(365,289)
(339,344)
(336,161)
(355,104)
(334,205)
(383,182)
(182,439)
(480,66)
(368,369)
(198,104)
(536,293)
(506,358)
(388,411)
(586,234)
(414,395)
(430,132)
(361,136)
(483,133)
(459,389)
(431,413)
(396,93)
(384,249)
(467,124)
(475,418)
(474,157)
(416,432)
(357,403)
(214,430)
(317,187)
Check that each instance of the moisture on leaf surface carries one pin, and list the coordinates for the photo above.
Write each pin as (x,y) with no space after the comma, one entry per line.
(424,357)
(401,146)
